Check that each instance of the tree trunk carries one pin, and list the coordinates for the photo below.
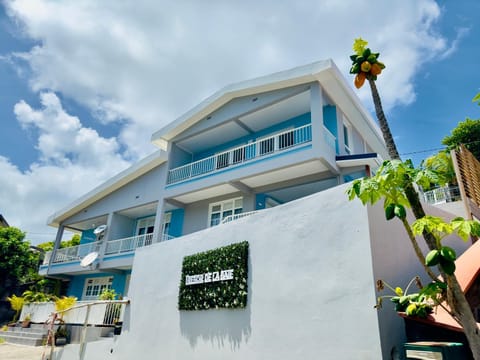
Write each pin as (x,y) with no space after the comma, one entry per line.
(455,297)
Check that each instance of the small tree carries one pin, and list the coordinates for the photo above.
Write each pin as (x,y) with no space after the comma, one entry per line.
(395,186)
(468,133)
(18,263)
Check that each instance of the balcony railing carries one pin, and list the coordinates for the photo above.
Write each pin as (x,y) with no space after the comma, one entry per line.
(73,253)
(442,195)
(234,217)
(105,313)
(266,146)
(132,243)
(76,253)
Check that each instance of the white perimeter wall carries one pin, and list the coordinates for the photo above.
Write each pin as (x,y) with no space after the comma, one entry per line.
(311,289)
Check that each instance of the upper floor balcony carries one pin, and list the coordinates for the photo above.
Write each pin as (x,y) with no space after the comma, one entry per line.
(262,148)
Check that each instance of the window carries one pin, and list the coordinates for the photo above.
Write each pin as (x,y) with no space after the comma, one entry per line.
(95,286)
(145,225)
(219,211)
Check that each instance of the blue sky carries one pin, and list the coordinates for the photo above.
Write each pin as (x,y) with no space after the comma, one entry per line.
(84,84)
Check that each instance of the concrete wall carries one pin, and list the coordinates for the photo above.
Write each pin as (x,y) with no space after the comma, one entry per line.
(311,290)
(313,264)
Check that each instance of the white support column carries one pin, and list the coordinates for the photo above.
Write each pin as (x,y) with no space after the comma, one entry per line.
(158,228)
(316,110)
(106,237)
(58,240)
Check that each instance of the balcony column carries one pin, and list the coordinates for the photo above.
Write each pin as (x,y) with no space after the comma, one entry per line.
(316,110)
(56,245)
(106,236)
(158,227)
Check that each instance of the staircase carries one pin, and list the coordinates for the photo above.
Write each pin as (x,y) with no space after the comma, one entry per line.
(35,335)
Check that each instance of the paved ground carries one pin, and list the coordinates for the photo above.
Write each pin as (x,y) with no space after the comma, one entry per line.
(20,352)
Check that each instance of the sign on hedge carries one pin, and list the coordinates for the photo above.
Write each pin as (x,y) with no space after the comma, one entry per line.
(215,279)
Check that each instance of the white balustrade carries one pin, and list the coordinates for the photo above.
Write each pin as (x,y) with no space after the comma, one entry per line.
(72,253)
(329,138)
(241,154)
(442,195)
(234,217)
(128,244)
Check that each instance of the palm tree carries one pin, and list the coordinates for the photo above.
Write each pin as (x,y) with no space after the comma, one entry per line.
(366,66)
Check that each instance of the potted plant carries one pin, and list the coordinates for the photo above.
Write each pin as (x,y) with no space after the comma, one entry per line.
(61,335)
(26,321)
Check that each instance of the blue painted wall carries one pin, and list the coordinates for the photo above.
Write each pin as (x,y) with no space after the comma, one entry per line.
(293,122)
(330,121)
(87,236)
(260,201)
(78,282)
(176,222)
(354,175)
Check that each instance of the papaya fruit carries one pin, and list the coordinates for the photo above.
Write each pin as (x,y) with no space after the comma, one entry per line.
(375,69)
(448,253)
(366,66)
(432,258)
(360,79)
(447,266)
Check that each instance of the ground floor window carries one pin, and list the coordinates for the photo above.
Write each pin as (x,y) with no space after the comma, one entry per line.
(220,210)
(95,286)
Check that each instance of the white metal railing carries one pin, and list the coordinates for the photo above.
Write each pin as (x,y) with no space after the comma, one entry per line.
(241,154)
(132,243)
(128,244)
(104,313)
(330,139)
(72,253)
(87,313)
(234,217)
(442,195)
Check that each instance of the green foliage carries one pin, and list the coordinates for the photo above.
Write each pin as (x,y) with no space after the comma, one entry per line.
(388,183)
(477,99)
(218,294)
(108,294)
(64,303)
(468,133)
(16,302)
(18,263)
(417,304)
(444,256)
(436,170)
(31,296)
(48,246)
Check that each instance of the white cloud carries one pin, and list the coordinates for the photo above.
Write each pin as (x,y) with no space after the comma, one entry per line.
(72,161)
(147,62)
(143,63)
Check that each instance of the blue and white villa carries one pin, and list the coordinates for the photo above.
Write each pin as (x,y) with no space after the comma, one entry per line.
(249,147)
(260,165)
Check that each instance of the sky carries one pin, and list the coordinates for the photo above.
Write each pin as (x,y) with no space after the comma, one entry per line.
(84,84)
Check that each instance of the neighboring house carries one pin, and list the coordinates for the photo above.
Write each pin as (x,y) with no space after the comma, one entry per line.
(463,197)
(250,146)
(3,222)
